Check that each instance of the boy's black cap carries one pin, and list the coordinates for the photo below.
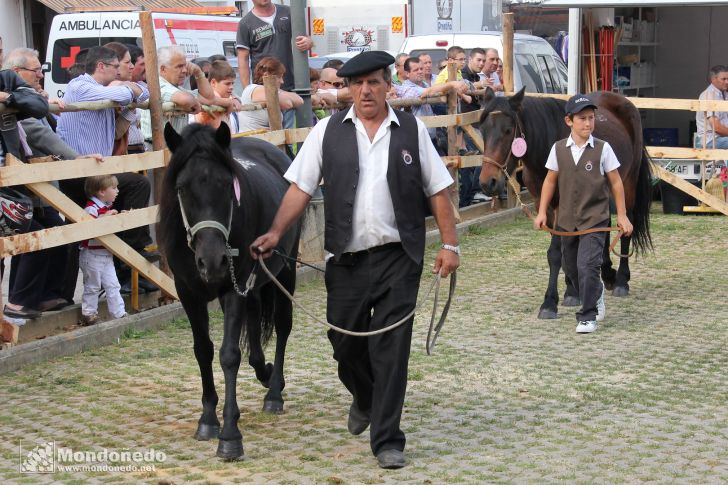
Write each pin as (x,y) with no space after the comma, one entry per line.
(365,63)
(579,102)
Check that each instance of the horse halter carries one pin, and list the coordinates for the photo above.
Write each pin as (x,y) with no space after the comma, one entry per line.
(192,231)
(518,131)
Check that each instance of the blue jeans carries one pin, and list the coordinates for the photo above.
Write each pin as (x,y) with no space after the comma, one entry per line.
(469,184)
(721,142)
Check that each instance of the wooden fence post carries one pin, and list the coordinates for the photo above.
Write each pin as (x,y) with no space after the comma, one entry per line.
(508,52)
(155,110)
(508,81)
(275,117)
(452,139)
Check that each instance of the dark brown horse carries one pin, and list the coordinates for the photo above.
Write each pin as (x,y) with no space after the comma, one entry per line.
(541,122)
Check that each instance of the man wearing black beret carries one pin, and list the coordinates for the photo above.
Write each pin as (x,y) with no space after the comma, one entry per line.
(380,171)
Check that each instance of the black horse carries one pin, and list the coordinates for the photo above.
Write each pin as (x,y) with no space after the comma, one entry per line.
(213,187)
(541,122)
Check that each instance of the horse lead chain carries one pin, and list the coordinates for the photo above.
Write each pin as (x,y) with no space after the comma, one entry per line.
(251,279)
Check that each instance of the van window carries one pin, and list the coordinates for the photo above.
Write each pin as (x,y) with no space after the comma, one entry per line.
(65,51)
(436,54)
(550,74)
(529,71)
(545,74)
(228,48)
(563,75)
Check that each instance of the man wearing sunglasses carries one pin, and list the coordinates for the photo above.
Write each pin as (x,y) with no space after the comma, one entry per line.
(332,88)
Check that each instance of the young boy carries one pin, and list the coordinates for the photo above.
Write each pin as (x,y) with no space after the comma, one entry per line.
(222,81)
(95,261)
(580,166)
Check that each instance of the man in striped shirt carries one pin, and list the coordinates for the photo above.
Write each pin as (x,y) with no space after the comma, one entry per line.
(93,131)
(90,132)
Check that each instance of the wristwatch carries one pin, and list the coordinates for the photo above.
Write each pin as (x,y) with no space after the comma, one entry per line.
(450,247)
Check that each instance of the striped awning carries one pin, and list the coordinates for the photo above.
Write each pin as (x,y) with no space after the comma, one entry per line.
(66,6)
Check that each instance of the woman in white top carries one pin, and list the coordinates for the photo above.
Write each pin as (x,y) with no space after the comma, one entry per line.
(255,93)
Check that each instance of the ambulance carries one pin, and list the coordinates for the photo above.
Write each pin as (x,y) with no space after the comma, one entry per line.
(198,35)
(357,25)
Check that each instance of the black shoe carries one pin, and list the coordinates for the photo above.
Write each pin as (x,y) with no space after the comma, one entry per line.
(22,312)
(150,256)
(147,285)
(391,459)
(358,420)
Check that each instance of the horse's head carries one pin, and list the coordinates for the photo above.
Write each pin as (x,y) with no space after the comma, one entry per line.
(203,177)
(499,125)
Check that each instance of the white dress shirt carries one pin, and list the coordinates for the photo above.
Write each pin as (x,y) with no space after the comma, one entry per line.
(373,220)
(607,163)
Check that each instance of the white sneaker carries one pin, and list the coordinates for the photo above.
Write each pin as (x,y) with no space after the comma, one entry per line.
(481,197)
(601,307)
(586,327)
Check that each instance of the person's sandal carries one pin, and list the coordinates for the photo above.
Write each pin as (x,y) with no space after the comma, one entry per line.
(22,312)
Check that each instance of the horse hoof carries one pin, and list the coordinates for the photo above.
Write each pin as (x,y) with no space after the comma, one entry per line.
(608,285)
(206,432)
(273,407)
(546,314)
(268,372)
(230,450)
(571,301)
(620,291)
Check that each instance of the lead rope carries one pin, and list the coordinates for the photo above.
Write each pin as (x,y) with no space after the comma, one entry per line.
(516,186)
(434,285)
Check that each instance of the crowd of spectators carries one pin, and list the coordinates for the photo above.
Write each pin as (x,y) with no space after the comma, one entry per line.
(46,280)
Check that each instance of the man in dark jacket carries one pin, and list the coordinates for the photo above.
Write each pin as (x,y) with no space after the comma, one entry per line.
(19,101)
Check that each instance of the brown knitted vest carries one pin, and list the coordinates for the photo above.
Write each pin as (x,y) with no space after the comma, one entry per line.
(583,190)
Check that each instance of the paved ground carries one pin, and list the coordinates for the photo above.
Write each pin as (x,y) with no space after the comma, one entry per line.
(506,398)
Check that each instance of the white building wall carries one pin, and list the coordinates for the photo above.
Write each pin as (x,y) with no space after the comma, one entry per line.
(12,24)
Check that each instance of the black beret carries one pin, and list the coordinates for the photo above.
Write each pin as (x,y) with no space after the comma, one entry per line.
(364,63)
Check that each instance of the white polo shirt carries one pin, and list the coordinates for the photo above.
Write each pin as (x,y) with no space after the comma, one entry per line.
(607,163)
(373,220)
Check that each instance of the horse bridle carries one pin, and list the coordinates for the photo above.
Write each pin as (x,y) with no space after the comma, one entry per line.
(518,131)
(231,253)
(192,231)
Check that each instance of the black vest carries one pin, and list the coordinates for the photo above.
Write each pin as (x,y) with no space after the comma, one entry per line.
(404,177)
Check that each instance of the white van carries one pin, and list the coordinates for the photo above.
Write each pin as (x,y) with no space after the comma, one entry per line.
(536,66)
(198,35)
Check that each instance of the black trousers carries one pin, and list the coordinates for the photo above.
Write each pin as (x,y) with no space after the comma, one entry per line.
(38,276)
(582,258)
(369,290)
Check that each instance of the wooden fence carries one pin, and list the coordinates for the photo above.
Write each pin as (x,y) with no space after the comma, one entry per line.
(38,174)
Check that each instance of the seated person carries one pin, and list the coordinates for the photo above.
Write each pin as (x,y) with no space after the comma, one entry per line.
(712,126)
(255,93)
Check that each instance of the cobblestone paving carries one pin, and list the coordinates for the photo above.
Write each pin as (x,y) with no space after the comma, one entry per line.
(505,398)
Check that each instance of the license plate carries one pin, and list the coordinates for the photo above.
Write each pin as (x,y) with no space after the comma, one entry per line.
(678,169)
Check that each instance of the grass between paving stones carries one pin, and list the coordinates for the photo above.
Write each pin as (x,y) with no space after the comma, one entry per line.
(505,398)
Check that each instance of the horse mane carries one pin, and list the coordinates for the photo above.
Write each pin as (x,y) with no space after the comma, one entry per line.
(198,140)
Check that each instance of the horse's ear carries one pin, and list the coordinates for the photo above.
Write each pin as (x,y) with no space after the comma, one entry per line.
(171,137)
(222,135)
(489,94)
(516,100)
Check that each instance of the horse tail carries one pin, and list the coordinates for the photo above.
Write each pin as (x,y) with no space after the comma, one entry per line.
(268,312)
(643,200)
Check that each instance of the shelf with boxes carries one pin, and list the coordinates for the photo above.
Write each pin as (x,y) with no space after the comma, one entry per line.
(636,54)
